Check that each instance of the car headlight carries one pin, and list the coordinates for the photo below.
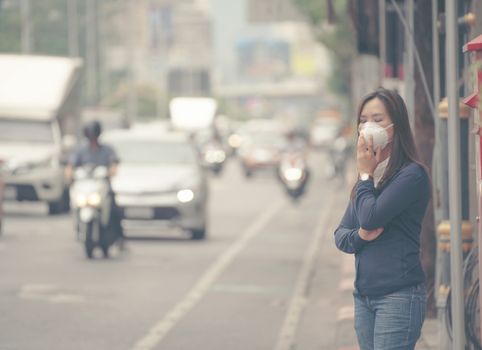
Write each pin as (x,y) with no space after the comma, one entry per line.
(47,163)
(81,200)
(13,167)
(293,174)
(235,140)
(215,156)
(94,199)
(185,196)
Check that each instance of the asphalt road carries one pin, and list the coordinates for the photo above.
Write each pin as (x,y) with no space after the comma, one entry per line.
(265,278)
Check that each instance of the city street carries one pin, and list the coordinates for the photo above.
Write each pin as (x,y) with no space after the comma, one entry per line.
(174,113)
(267,276)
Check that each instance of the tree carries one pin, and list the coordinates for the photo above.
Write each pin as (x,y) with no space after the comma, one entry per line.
(48,20)
(334,29)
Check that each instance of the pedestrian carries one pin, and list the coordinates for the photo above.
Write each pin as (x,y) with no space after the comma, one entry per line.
(382,225)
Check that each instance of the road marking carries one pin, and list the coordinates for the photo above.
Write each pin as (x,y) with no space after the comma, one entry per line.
(300,297)
(250,289)
(157,332)
(48,292)
(66,298)
(37,290)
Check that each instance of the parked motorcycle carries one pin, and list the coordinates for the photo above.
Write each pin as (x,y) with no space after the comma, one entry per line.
(92,202)
(293,173)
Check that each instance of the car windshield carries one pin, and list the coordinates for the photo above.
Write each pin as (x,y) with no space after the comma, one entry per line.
(154,152)
(266,139)
(25,131)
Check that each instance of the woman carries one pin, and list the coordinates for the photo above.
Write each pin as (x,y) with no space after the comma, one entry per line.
(382,225)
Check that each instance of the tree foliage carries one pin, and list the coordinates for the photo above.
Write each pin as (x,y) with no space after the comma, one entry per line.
(334,29)
(48,22)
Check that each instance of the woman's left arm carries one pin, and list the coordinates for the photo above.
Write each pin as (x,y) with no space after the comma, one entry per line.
(347,237)
(405,189)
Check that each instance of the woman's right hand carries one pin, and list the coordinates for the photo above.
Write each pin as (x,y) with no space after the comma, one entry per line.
(370,235)
(366,156)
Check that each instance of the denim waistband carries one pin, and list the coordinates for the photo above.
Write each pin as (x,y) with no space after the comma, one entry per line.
(417,289)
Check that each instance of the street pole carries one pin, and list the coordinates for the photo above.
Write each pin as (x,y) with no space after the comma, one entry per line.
(102,25)
(409,66)
(382,39)
(26,37)
(91,52)
(436,96)
(456,273)
(73,20)
(130,30)
(440,193)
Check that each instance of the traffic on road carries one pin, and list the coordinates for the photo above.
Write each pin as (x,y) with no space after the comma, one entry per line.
(211,262)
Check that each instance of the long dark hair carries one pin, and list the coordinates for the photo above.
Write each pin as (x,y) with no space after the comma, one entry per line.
(404,150)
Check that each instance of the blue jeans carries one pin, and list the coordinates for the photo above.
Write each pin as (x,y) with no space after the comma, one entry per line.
(390,322)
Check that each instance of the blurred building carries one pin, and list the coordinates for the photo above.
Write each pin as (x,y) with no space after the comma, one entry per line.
(266,57)
(166,43)
(260,53)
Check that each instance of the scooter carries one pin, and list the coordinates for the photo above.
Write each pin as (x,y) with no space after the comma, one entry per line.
(293,173)
(213,157)
(92,202)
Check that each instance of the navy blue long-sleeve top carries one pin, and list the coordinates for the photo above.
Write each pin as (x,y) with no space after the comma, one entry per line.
(392,260)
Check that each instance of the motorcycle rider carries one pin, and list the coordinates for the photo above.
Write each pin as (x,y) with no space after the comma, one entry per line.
(294,143)
(295,147)
(95,153)
(339,152)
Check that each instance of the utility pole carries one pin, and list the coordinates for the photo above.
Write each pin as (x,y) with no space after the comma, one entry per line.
(73,22)
(130,31)
(456,273)
(26,37)
(409,64)
(439,169)
(382,38)
(102,42)
(91,51)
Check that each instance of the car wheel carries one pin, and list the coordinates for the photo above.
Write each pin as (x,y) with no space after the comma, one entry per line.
(60,206)
(198,234)
(55,208)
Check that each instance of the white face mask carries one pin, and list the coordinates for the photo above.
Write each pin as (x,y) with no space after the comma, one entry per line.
(379,134)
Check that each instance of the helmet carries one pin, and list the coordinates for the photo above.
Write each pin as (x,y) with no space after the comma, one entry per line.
(92,130)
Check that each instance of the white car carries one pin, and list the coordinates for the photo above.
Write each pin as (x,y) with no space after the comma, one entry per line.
(159,180)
